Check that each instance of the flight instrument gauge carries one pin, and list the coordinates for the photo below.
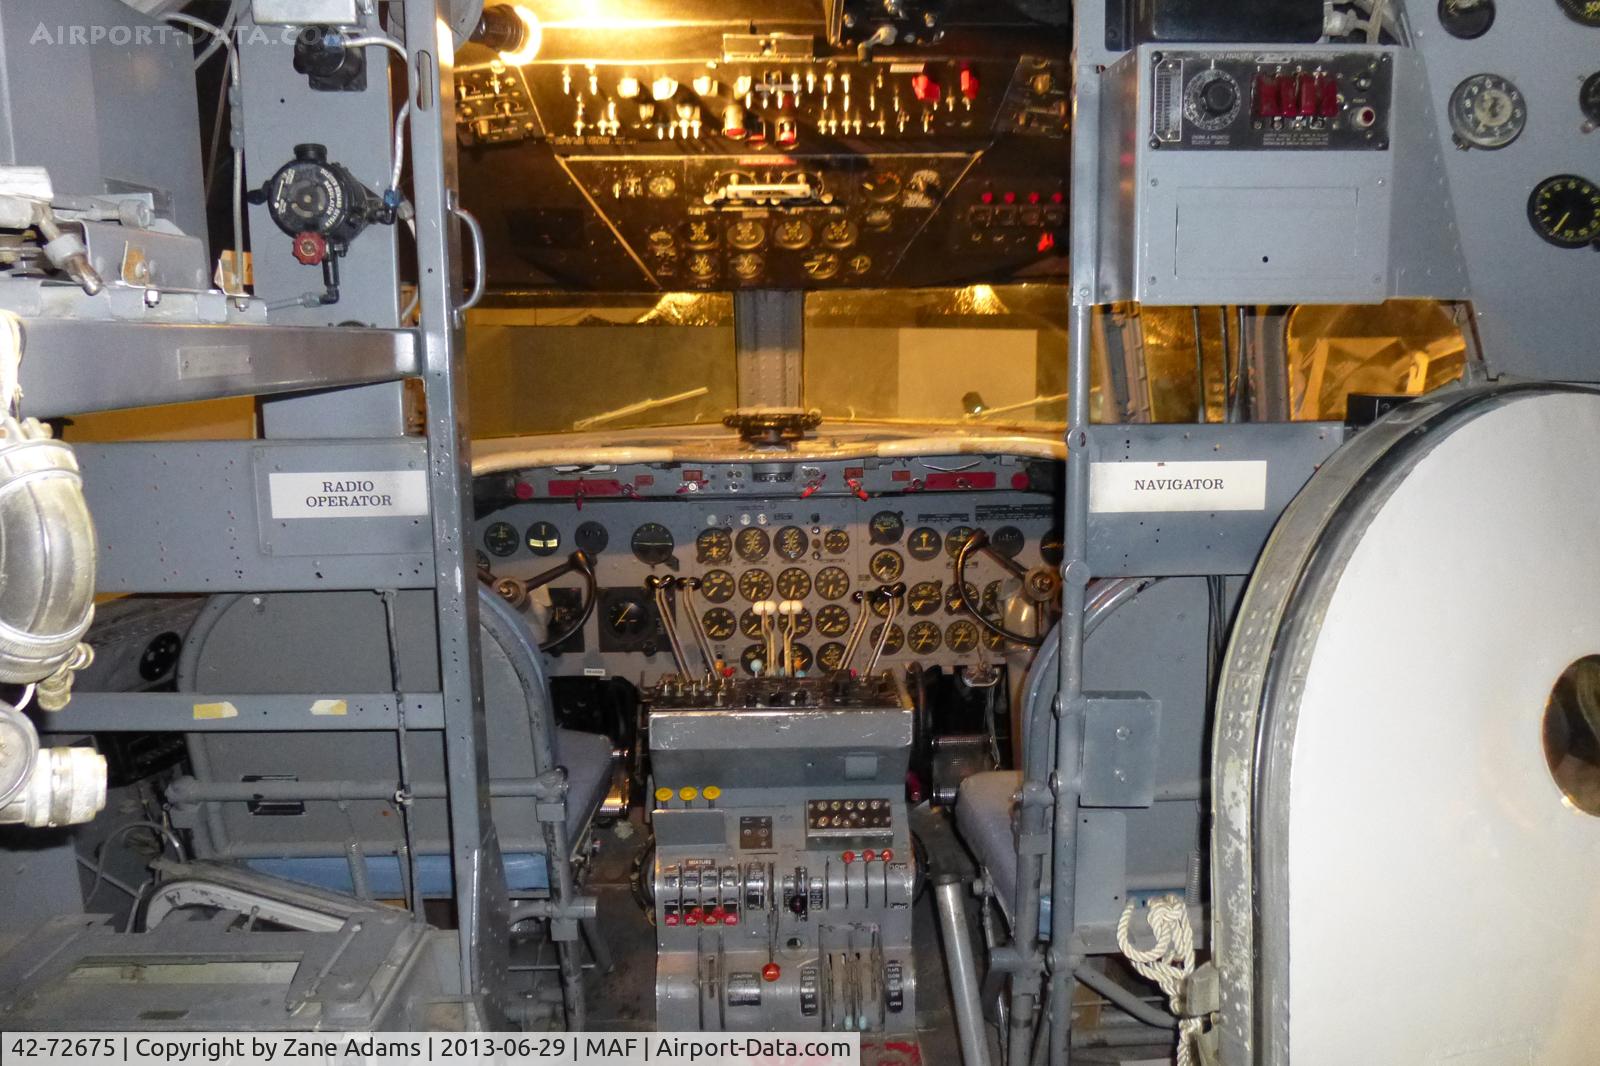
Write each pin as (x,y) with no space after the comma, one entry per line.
(820,265)
(752,544)
(1565,210)
(924,597)
(791,542)
(886,527)
(1589,99)
(833,620)
(627,619)
(924,543)
(800,659)
(792,234)
(501,539)
(1487,111)
(802,623)
(591,537)
(544,538)
(837,541)
(962,635)
(714,545)
(831,655)
(652,543)
(840,233)
(924,638)
(832,582)
(896,639)
(747,234)
(794,584)
(957,539)
(1586,12)
(720,623)
(1466,19)
(1008,541)
(755,585)
(750,624)
(717,586)
(886,565)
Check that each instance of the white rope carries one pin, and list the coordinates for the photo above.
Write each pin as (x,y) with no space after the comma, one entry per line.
(1169,963)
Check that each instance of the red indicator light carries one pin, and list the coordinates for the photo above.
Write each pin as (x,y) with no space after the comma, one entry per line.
(524,491)
(848,857)
(886,855)
(1010,198)
(1034,198)
(987,197)
(1047,242)
(1058,197)
(770,972)
(1019,480)
(925,88)
(969,83)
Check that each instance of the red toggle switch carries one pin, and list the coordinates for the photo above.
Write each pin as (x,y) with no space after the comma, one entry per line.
(969,83)
(855,487)
(690,917)
(715,917)
(1288,99)
(1308,95)
(925,89)
(1267,97)
(1327,96)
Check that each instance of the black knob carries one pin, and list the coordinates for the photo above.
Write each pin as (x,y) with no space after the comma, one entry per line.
(1219,96)
(797,904)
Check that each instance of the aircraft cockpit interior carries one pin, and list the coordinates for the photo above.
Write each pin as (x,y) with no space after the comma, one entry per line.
(947,531)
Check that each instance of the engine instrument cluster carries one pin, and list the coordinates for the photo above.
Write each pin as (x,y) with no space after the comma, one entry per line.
(769,160)
(824,537)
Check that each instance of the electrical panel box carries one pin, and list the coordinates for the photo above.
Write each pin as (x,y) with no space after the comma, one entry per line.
(1247,175)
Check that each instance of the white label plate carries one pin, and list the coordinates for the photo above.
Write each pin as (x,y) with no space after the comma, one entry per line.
(1124,488)
(349,494)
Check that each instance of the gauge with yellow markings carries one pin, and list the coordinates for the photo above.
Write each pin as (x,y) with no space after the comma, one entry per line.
(543,538)
(956,539)
(719,623)
(833,620)
(747,234)
(750,623)
(717,586)
(961,635)
(501,538)
(802,624)
(801,658)
(821,265)
(896,641)
(791,542)
(753,654)
(792,234)
(794,584)
(953,598)
(1565,210)
(886,527)
(752,544)
(924,597)
(886,565)
(836,541)
(755,585)
(714,546)
(924,638)
(831,655)
(840,233)
(923,543)
(832,583)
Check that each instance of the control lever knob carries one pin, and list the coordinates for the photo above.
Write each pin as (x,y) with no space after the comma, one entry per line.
(1219,97)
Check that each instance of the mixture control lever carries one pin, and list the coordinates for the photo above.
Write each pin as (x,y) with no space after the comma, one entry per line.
(895,594)
(689,586)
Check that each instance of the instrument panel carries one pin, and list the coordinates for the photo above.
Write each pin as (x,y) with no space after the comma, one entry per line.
(769,160)
(819,536)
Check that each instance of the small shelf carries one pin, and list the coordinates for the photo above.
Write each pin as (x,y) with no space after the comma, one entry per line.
(190,712)
(72,366)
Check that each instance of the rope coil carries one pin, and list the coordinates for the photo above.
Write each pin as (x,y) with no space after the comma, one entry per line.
(1169,963)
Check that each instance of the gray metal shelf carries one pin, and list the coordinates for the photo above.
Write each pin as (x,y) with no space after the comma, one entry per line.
(189,712)
(73,366)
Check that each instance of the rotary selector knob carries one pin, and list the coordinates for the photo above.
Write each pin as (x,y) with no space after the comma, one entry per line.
(1212,100)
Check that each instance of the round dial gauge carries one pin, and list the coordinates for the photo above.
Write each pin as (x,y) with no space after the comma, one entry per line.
(924,597)
(881,187)
(661,186)
(752,544)
(700,234)
(924,638)
(886,565)
(962,635)
(802,624)
(886,527)
(747,266)
(750,623)
(924,543)
(1585,11)
(652,543)
(800,658)
(896,641)
(591,537)
(831,655)
(627,618)
(821,265)
(840,233)
(860,264)
(791,542)
(956,539)
(544,538)
(880,606)
(1466,19)
(989,605)
(719,623)
(832,583)
(755,585)
(793,234)
(833,620)
(879,218)
(714,546)
(1008,541)
(794,584)
(1487,111)
(1052,549)
(702,267)
(716,586)
(836,541)
(747,234)
(501,539)
(1589,98)
(954,601)
(1565,210)
(752,657)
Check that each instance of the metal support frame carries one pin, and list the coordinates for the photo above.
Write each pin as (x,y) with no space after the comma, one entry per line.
(479,875)
(768,332)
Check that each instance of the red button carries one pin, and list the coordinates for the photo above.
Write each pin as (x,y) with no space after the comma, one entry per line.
(987,197)
(524,491)
(731,919)
(770,972)
(886,855)
(1010,197)
(870,855)
(925,88)
(848,857)
(714,918)
(691,919)
(969,83)
(672,919)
